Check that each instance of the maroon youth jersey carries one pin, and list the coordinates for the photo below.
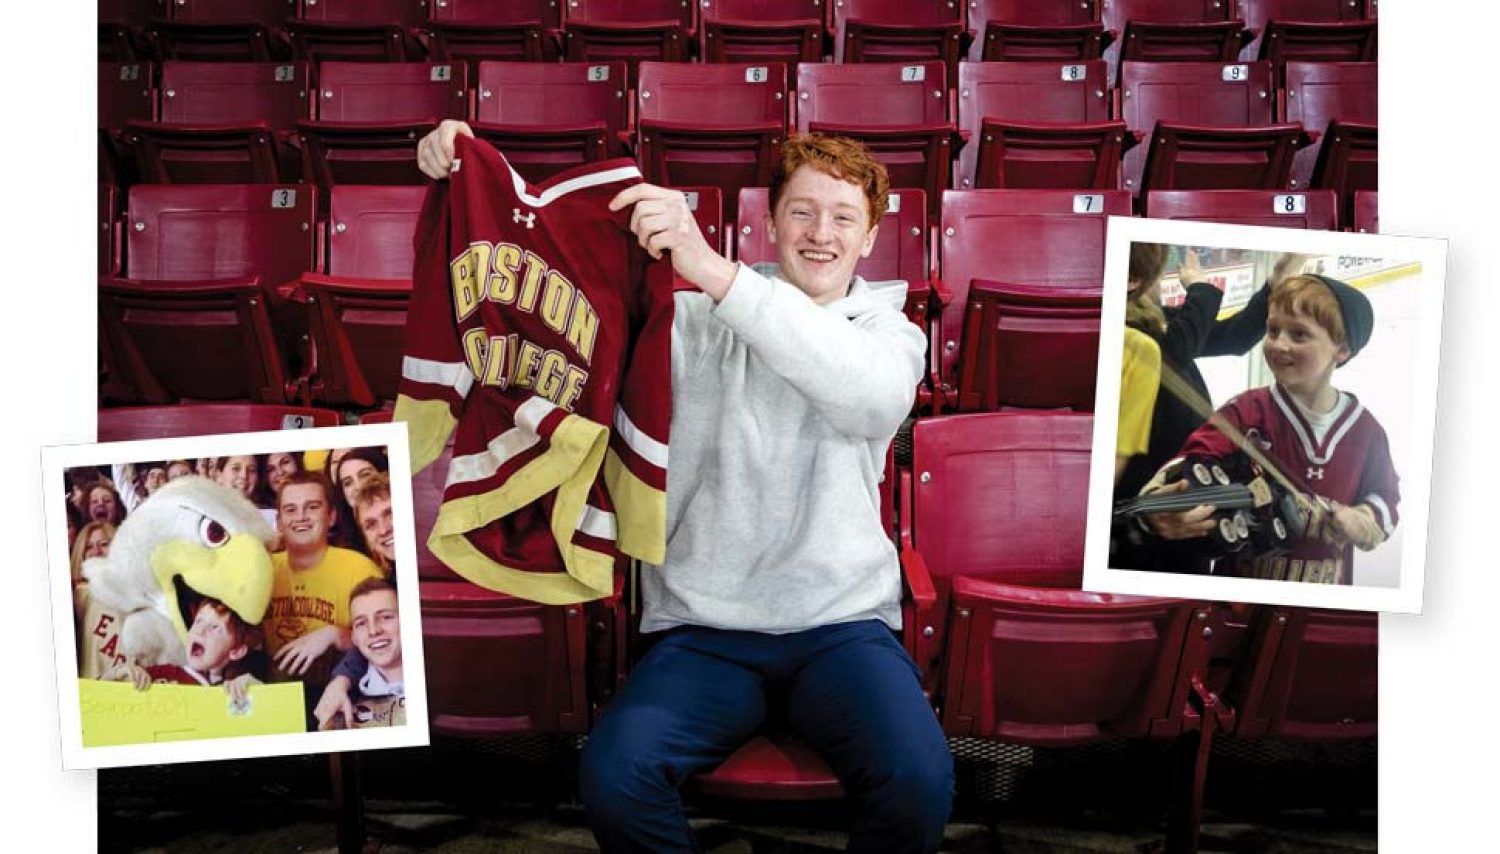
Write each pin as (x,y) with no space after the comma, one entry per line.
(175,674)
(1351,465)
(539,339)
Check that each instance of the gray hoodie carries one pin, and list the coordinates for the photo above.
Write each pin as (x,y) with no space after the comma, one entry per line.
(782,411)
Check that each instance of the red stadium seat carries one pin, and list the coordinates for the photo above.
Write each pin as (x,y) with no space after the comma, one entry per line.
(1367,211)
(1209,125)
(771,767)
(1350,41)
(212,254)
(1028,346)
(357,312)
(125,93)
(358,332)
(762,31)
(997,518)
(1196,157)
(707,205)
(1037,125)
(1308,30)
(1316,209)
(495,30)
(127,423)
(1258,13)
(222,123)
(1170,30)
(133,13)
(1348,162)
(122,28)
(148,326)
(533,653)
(892,31)
(197,232)
(1007,30)
(223,30)
(629,30)
(1052,238)
(711,124)
(1319,93)
(370,116)
(1309,675)
(370,231)
(116,44)
(900,112)
(407,14)
(547,117)
(356,31)
(271,13)
(109,233)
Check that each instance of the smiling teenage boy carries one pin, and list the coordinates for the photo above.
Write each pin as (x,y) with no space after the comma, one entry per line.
(780,588)
(1323,437)
(309,611)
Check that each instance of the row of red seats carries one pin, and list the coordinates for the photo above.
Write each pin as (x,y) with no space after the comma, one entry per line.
(789,31)
(1171,126)
(989,518)
(252,276)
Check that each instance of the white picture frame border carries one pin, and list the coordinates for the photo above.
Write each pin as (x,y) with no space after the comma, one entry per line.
(56,459)
(1415,466)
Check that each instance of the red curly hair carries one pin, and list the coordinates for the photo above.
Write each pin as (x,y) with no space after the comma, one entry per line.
(839,157)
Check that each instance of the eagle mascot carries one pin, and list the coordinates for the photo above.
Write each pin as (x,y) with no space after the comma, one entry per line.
(191,539)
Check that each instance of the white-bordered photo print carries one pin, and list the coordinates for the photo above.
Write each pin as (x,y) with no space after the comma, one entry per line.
(232,596)
(1265,413)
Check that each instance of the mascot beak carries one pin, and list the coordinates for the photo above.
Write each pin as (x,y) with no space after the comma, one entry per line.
(238,573)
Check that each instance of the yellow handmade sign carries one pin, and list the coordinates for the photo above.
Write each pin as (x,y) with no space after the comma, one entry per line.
(116,713)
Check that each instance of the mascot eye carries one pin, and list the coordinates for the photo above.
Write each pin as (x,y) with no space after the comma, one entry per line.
(212,533)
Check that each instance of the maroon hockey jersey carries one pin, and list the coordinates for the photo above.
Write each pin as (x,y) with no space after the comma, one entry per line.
(1350,464)
(174,674)
(539,339)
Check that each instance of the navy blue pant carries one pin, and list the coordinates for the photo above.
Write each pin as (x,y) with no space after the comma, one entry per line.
(849,690)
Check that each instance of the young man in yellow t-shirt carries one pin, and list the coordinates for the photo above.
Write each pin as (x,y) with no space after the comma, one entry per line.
(309,612)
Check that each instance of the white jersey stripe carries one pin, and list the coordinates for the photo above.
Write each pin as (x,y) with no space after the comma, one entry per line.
(551,194)
(1332,443)
(597,523)
(644,446)
(503,448)
(1383,511)
(454,375)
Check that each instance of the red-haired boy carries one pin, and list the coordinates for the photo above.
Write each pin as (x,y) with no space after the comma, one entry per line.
(1322,436)
(217,643)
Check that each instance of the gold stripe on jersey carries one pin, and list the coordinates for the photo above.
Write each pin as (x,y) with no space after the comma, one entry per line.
(642,531)
(570,466)
(429,424)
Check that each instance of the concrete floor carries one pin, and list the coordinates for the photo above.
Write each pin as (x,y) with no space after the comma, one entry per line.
(518,798)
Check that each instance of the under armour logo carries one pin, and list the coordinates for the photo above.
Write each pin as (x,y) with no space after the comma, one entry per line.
(1255,436)
(1314,473)
(529,219)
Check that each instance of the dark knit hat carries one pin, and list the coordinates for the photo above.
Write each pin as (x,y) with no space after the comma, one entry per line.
(1358,316)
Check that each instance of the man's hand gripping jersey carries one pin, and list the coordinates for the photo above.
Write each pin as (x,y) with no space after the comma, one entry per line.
(539,340)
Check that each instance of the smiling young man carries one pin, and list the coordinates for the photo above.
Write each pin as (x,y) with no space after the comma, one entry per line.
(780,589)
(372,510)
(309,611)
